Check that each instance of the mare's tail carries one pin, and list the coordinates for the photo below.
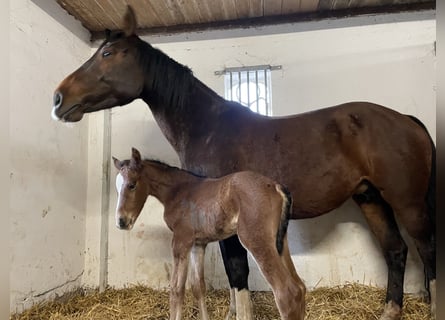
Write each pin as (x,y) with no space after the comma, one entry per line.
(430,197)
(285,215)
(431,192)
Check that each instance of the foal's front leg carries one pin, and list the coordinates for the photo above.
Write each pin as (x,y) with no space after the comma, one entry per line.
(181,251)
(198,282)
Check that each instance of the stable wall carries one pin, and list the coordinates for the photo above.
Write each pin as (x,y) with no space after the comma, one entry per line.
(388,63)
(48,160)
(57,232)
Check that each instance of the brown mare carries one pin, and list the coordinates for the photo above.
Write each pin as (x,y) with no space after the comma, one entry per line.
(384,160)
(200,210)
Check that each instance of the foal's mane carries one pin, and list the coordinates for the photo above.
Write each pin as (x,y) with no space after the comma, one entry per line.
(169,167)
(132,166)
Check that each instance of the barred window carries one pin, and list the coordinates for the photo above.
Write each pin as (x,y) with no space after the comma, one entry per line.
(250,86)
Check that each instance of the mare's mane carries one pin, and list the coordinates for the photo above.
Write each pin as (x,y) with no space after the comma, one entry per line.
(170,82)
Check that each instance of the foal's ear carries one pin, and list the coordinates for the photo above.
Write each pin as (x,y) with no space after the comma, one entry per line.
(117,163)
(135,156)
(130,23)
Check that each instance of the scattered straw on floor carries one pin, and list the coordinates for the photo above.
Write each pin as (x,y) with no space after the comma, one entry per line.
(349,302)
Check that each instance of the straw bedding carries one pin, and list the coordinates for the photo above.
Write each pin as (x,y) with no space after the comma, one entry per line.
(352,301)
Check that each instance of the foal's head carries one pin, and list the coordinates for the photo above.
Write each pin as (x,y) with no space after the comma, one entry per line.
(132,190)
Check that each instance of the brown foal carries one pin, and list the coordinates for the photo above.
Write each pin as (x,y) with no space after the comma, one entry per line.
(200,210)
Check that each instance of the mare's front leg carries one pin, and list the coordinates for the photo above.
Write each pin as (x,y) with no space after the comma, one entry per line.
(198,282)
(237,269)
(181,251)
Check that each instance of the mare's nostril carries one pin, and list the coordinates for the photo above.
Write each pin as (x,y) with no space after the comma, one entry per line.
(57,99)
(121,223)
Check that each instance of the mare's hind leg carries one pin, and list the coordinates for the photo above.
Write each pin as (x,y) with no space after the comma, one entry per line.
(421,227)
(427,251)
(381,221)
(237,269)
(198,283)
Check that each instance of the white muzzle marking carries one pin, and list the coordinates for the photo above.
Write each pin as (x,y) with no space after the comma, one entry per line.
(119,184)
(54,116)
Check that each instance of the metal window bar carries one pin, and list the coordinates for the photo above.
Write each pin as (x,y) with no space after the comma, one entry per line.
(250,86)
(257,92)
(231,81)
(267,91)
(239,95)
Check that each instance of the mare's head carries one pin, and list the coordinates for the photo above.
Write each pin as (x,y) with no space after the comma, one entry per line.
(111,77)
(132,190)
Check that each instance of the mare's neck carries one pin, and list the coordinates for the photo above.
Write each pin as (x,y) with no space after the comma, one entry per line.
(164,180)
(182,105)
(193,118)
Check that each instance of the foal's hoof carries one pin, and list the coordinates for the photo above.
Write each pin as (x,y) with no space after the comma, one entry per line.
(433,299)
(392,311)
(230,315)
(232,308)
(433,311)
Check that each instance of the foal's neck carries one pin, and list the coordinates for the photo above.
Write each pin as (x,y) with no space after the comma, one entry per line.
(164,180)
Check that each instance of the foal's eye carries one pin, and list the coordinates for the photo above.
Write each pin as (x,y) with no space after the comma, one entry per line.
(132,186)
(106,54)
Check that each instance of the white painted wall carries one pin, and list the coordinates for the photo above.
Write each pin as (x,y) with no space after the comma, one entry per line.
(391,64)
(48,160)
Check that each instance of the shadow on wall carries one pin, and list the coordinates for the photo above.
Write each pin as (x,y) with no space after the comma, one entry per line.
(344,233)
(155,242)
(318,233)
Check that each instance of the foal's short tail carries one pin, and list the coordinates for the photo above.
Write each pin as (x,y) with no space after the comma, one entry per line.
(285,215)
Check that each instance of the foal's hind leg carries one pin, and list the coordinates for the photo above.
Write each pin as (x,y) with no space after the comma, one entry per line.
(287,261)
(381,221)
(289,293)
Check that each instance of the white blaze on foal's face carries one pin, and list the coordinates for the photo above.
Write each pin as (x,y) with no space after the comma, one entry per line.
(119,184)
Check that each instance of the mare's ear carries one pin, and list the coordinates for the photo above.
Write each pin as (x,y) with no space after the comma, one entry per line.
(107,33)
(117,163)
(130,23)
(135,156)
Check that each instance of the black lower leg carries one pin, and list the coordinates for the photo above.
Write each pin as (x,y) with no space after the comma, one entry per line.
(380,218)
(235,262)
(427,252)
(396,260)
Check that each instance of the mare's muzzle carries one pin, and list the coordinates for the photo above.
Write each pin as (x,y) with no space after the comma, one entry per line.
(122,223)
(57,101)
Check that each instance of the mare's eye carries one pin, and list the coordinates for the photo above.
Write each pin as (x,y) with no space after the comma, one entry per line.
(106,54)
(132,186)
